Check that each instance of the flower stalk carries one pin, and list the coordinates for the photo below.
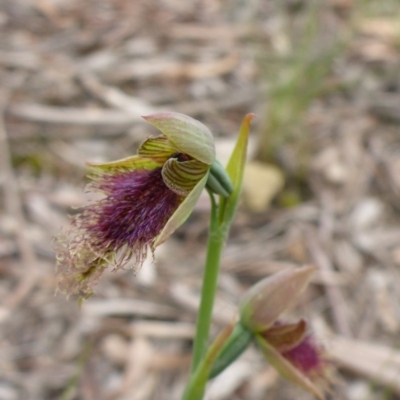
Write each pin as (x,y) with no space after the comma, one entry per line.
(222,214)
(216,240)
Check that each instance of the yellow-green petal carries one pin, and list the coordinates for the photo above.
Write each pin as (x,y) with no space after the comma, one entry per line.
(129,163)
(158,148)
(286,369)
(187,134)
(182,212)
(182,176)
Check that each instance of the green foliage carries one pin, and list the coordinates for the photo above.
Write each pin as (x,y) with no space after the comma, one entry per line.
(237,343)
(294,80)
(235,170)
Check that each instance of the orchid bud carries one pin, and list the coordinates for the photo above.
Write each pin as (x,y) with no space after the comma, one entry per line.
(269,298)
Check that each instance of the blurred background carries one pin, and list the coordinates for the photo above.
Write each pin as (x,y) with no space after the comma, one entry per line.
(322,186)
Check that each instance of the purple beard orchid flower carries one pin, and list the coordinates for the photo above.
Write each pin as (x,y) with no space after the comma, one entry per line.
(146,197)
(287,346)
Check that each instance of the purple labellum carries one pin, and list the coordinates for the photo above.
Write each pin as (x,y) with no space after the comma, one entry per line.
(137,206)
(306,356)
(124,224)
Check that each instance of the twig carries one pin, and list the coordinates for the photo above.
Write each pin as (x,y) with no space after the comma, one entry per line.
(201,32)
(379,363)
(385,107)
(114,97)
(70,115)
(172,70)
(126,307)
(87,117)
(20,59)
(334,293)
(14,207)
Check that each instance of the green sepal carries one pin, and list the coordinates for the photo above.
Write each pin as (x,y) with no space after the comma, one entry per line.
(131,163)
(219,181)
(187,134)
(157,148)
(287,369)
(182,176)
(235,170)
(182,212)
(237,343)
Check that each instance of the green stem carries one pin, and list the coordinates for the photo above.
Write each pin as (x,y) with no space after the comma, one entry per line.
(216,240)
(198,380)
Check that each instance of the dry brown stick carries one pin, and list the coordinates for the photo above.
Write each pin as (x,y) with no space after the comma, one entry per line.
(336,299)
(379,363)
(87,117)
(235,98)
(163,329)
(172,69)
(192,31)
(70,115)
(385,107)
(14,208)
(115,97)
(20,59)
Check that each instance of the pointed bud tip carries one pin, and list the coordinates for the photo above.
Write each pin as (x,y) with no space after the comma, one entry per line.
(148,117)
(250,116)
(248,119)
(268,299)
